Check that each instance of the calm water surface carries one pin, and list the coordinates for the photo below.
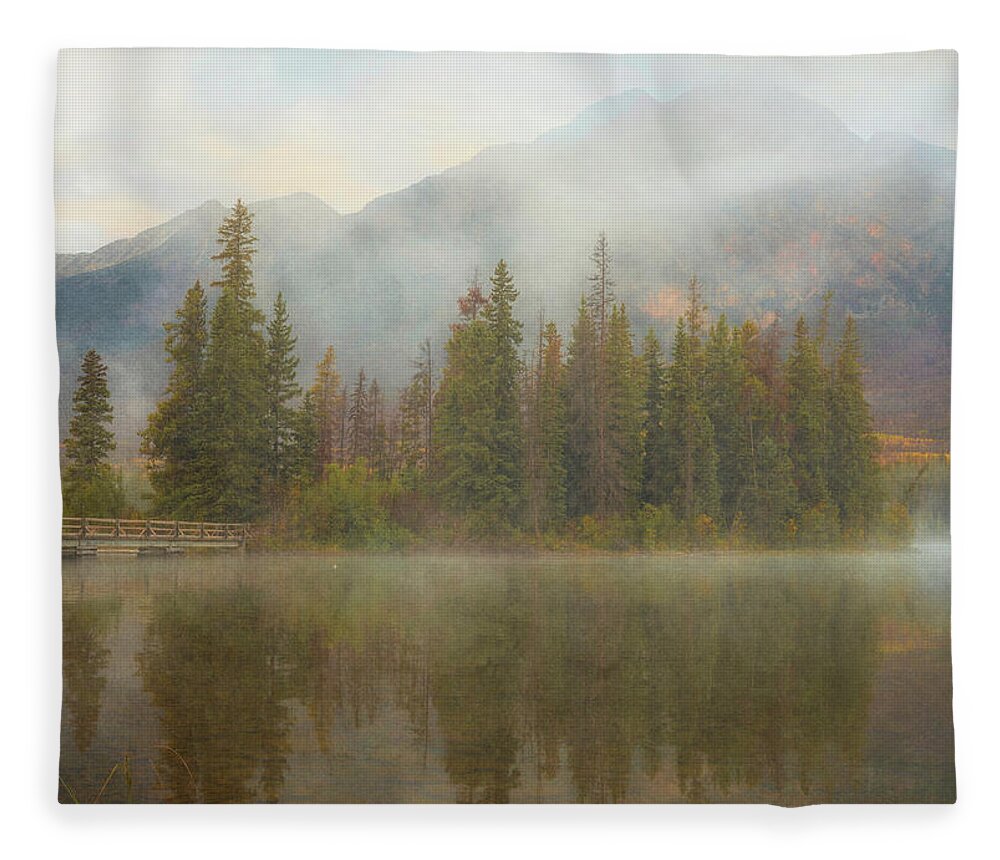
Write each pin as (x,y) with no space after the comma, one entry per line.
(778,678)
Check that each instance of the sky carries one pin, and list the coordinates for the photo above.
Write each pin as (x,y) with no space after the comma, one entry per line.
(144,134)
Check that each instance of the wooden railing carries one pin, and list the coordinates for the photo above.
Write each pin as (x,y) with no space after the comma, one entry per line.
(92,528)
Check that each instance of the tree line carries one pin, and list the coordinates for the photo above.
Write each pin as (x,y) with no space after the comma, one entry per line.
(727,438)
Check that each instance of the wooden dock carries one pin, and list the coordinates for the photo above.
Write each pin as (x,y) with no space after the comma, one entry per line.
(90,536)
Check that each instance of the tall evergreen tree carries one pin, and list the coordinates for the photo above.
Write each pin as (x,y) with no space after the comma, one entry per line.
(463,422)
(358,420)
(767,497)
(327,400)
(653,433)
(302,454)
(478,432)
(852,465)
(546,436)
(378,434)
(771,498)
(692,474)
(90,488)
(808,418)
(622,476)
(725,377)
(412,448)
(600,299)
(601,296)
(581,415)
(235,378)
(175,438)
(416,413)
(280,389)
(506,437)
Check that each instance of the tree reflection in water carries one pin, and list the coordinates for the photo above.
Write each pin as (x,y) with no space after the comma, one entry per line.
(511,681)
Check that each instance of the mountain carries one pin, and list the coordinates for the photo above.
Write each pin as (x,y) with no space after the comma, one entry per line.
(768,197)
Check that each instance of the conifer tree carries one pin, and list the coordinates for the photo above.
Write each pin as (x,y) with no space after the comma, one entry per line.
(378,434)
(581,415)
(653,434)
(771,498)
(725,378)
(601,296)
(464,419)
(546,423)
(599,300)
(852,465)
(90,488)
(302,455)
(175,438)
(692,473)
(412,450)
(235,372)
(327,402)
(808,418)
(621,479)
(478,432)
(358,420)
(767,497)
(416,413)
(506,436)
(280,389)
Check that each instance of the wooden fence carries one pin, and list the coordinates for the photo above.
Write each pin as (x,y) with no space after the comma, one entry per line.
(85,529)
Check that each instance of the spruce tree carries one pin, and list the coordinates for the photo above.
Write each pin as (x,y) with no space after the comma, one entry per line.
(808,418)
(506,436)
(463,424)
(546,423)
(175,440)
(599,300)
(416,413)
(90,487)
(552,416)
(581,415)
(852,465)
(771,498)
(692,460)
(478,433)
(358,420)
(302,453)
(653,433)
(725,378)
(767,497)
(412,451)
(235,379)
(622,476)
(327,403)
(280,389)
(378,434)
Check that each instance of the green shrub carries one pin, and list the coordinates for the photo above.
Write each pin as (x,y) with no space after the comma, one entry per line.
(897,525)
(101,496)
(349,507)
(820,526)
(656,527)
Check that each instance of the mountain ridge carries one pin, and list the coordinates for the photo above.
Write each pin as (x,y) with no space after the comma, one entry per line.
(678,185)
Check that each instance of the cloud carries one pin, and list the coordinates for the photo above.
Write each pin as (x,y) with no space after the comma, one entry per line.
(146,133)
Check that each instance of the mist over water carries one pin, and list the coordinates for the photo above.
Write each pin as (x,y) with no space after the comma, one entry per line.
(786,678)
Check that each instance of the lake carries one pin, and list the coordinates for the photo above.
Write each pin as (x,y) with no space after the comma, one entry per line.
(786,678)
